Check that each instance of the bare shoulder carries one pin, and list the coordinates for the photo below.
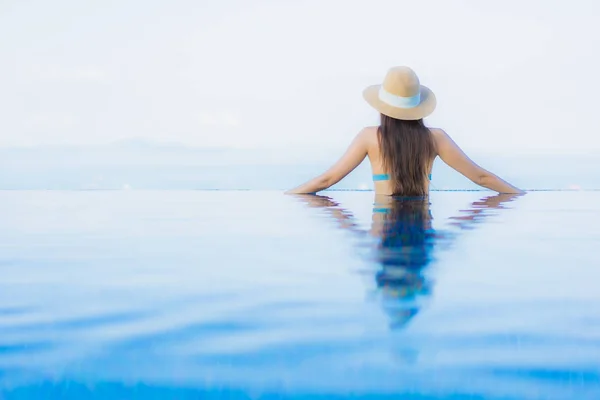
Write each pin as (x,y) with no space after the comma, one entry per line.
(438,133)
(440,137)
(369,134)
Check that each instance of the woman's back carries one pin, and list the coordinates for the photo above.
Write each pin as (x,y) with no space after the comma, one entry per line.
(382,176)
(401,155)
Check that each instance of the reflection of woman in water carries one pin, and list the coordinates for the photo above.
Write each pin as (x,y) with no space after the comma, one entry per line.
(404,250)
(405,245)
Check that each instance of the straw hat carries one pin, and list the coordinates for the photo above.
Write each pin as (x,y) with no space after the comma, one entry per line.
(401,96)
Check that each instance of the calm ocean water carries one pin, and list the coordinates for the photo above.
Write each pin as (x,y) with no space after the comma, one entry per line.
(158,167)
(256,295)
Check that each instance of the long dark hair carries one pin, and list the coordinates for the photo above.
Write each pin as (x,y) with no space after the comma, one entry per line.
(407,148)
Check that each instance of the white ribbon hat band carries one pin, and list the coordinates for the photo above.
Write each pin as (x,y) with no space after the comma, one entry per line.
(399,101)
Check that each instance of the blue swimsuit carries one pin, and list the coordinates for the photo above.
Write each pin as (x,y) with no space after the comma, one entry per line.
(386,177)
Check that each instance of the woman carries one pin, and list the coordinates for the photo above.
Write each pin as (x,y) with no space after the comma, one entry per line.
(402,149)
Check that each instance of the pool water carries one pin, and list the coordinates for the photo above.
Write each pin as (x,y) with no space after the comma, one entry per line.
(257,295)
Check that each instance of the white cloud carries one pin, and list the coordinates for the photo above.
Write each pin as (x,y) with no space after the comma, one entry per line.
(49,120)
(64,73)
(90,73)
(217,118)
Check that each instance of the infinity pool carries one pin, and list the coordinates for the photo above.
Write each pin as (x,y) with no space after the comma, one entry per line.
(256,295)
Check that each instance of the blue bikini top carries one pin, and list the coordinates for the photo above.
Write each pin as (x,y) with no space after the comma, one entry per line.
(386,177)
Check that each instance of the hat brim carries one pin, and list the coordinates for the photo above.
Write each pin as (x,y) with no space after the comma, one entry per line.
(425,107)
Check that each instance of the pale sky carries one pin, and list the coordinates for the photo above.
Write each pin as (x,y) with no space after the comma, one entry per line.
(510,76)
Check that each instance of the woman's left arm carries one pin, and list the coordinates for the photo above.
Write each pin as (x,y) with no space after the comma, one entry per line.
(356,153)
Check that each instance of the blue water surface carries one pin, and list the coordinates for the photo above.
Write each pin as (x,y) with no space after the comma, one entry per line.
(256,295)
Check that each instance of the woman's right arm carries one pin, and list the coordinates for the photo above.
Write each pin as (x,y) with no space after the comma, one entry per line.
(452,155)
